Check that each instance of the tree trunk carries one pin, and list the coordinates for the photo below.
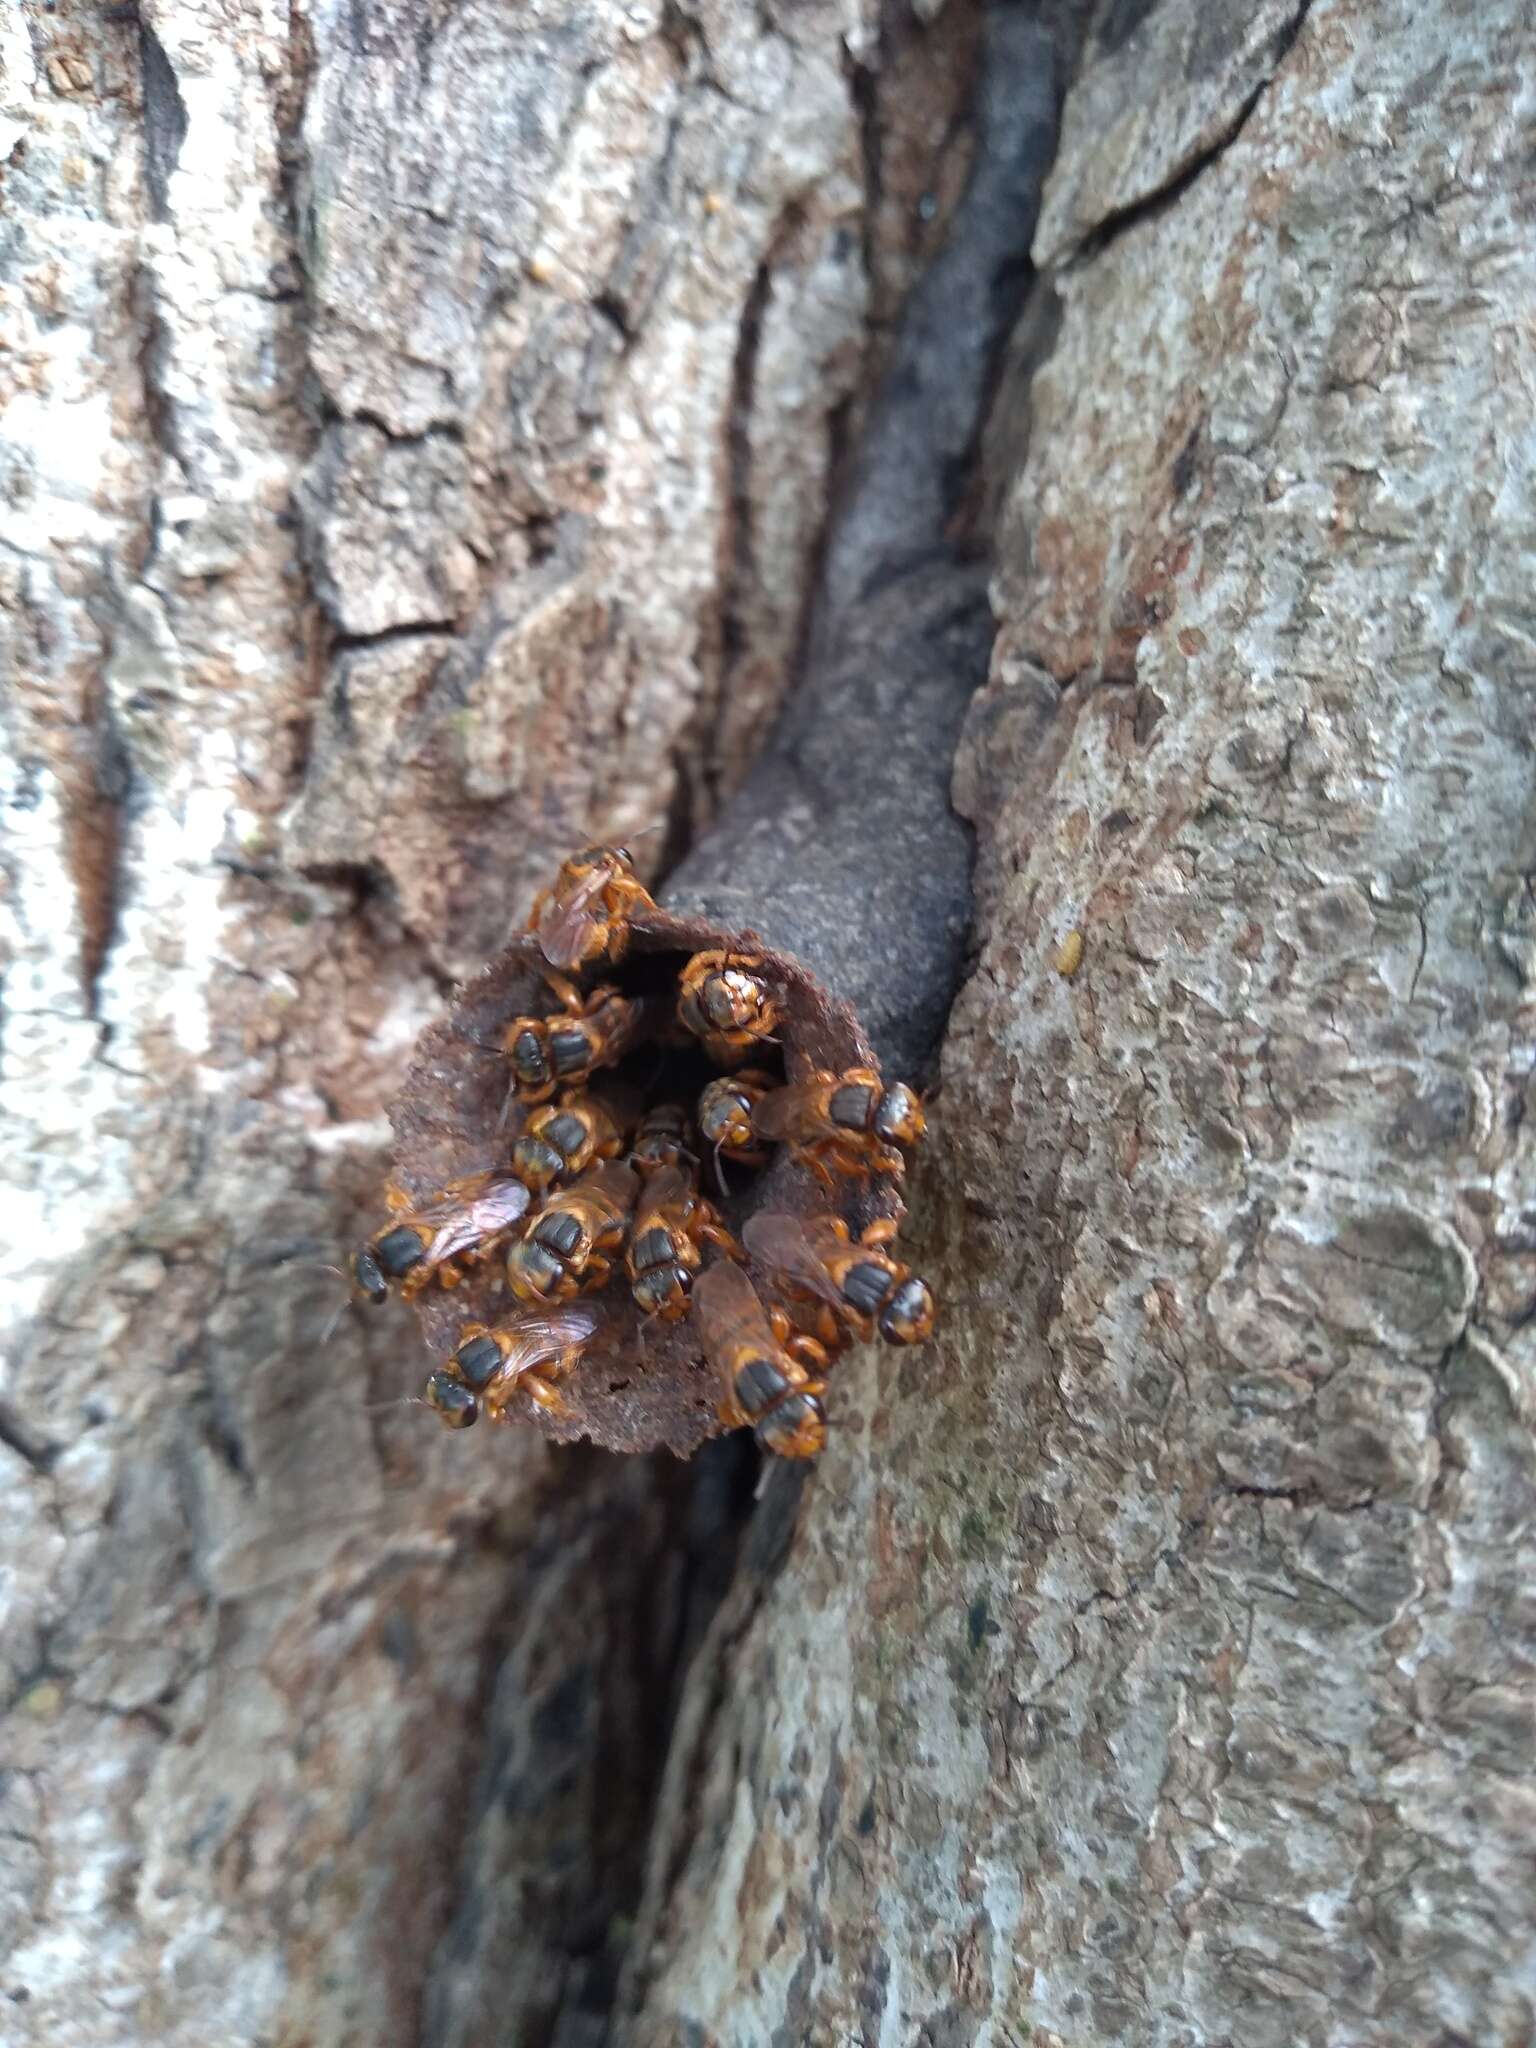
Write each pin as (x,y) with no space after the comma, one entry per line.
(419,426)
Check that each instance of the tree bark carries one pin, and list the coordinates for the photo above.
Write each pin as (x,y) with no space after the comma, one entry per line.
(1152,1662)
(420,422)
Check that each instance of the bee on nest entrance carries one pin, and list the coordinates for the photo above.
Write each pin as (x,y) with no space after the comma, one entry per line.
(653,1084)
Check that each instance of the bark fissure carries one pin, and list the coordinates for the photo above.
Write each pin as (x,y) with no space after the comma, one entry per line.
(1165,196)
(1145,1660)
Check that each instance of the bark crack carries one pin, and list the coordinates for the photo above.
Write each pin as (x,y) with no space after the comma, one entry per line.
(1152,205)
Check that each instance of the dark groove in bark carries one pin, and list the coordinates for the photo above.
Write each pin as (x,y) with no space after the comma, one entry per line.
(14,1433)
(842,847)
(165,119)
(1157,203)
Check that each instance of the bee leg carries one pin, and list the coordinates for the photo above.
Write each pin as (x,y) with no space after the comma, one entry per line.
(598,1269)
(626,895)
(395,1198)
(889,1160)
(717,1235)
(543,1395)
(537,909)
(805,1351)
(565,990)
(811,1156)
(810,1356)
(876,1235)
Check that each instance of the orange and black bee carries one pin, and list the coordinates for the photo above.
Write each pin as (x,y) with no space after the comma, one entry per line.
(671,1221)
(774,1379)
(460,1226)
(491,1365)
(857,1282)
(547,1053)
(664,1138)
(562,1251)
(562,1139)
(726,1005)
(585,917)
(851,1122)
(725,1115)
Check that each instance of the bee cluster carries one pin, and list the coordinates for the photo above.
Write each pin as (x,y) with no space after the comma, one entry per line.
(654,1068)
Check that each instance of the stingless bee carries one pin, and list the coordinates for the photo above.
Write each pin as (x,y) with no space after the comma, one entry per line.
(594,1031)
(774,1379)
(850,1121)
(562,1139)
(856,1281)
(561,1252)
(460,1226)
(726,1006)
(662,1138)
(725,1116)
(584,917)
(671,1220)
(492,1364)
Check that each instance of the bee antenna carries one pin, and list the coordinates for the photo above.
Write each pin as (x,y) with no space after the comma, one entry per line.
(333,1325)
(479,1044)
(720,1183)
(506,1107)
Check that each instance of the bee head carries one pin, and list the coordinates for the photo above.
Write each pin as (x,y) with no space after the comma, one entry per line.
(456,1406)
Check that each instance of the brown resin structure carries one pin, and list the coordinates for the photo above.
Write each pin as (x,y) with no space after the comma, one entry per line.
(640,1385)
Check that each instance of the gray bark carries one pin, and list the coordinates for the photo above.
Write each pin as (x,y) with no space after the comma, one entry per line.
(419,427)
(1153,1662)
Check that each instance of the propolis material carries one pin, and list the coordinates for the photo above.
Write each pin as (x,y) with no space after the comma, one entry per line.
(639,1385)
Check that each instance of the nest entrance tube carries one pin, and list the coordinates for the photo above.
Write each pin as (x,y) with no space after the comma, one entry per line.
(639,1385)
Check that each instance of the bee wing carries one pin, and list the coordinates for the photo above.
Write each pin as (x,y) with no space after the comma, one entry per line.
(563,926)
(780,1242)
(539,1336)
(790,1112)
(472,1218)
(616,1183)
(667,1188)
(729,1312)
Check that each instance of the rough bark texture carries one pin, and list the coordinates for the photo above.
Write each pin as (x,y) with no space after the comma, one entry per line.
(419,426)
(1153,1662)
(416,433)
